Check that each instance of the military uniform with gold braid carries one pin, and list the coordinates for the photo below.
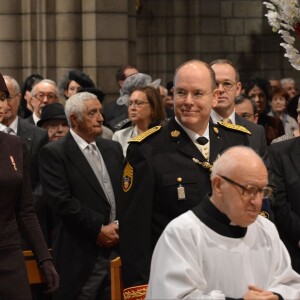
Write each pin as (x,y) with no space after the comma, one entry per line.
(164,176)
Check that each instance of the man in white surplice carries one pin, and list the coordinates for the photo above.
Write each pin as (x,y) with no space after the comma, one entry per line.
(223,248)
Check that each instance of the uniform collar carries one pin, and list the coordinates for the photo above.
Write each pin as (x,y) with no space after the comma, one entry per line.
(216,220)
(192,134)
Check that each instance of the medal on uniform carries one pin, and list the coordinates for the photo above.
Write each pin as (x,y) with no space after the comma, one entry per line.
(180,190)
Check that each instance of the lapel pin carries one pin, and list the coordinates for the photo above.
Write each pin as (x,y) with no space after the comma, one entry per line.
(175,133)
(13,162)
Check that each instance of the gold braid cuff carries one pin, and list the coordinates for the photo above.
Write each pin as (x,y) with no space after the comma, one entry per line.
(135,292)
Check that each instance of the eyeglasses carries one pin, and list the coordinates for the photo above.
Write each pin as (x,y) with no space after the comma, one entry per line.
(137,103)
(41,96)
(197,95)
(227,85)
(250,191)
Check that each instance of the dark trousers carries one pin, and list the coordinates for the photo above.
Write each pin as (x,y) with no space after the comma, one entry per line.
(97,285)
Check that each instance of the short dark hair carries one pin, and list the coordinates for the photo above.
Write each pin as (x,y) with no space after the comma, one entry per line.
(280,92)
(262,83)
(120,74)
(222,61)
(242,98)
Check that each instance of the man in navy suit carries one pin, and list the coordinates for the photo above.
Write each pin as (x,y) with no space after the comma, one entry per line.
(81,176)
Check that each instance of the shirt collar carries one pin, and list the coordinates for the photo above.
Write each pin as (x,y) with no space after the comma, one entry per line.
(217,118)
(14,125)
(2,127)
(82,144)
(35,118)
(192,134)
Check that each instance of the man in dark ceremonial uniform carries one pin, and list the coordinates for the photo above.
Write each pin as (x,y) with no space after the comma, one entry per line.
(167,170)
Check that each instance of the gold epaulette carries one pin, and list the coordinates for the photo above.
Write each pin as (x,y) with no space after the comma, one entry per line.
(135,292)
(139,138)
(235,127)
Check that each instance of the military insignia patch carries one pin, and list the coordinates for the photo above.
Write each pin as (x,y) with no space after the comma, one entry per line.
(175,133)
(216,130)
(144,135)
(264,214)
(235,127)
(127,177)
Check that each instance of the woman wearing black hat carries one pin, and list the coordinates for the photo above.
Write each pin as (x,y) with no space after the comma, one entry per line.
(74,81)
(54,120)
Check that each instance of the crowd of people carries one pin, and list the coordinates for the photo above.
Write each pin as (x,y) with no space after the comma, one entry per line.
(188,183)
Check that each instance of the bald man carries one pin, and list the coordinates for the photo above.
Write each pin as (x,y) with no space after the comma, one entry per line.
(167,169)
(223,248)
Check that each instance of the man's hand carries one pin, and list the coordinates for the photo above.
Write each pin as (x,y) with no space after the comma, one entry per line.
(255,293)
(108,235)
(50,275)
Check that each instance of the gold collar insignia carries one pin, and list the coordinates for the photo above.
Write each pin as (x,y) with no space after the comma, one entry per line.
(175,133)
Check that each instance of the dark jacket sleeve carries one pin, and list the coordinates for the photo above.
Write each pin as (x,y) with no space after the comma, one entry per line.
(136,219)
(287,188)
(26,216)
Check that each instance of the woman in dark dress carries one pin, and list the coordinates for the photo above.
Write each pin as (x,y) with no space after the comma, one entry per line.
(17,216)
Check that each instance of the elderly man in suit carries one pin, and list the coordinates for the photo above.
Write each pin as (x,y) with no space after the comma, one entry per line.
(81,177)
(33,136)
(43,93)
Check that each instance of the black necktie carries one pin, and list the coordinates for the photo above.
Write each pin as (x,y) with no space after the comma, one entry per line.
(202,140)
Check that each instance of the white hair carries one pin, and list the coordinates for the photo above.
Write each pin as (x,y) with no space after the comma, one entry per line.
(49,81)
(75,105)
(230,159)
(284,81)
(14,83)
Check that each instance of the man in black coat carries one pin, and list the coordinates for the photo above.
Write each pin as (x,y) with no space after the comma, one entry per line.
(167,169)
(285,161)
(81,178)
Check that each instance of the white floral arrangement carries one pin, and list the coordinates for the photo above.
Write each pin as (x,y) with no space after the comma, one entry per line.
(284,17)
